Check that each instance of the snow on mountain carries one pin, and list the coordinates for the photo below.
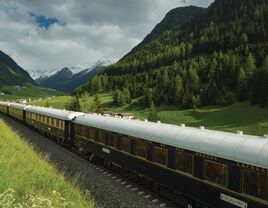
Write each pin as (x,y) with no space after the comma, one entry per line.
(40,74)
(35,74)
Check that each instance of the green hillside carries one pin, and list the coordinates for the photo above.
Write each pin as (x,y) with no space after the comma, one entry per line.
(28,180)
(216,57)
(238,116)
(11,73)
(26,91)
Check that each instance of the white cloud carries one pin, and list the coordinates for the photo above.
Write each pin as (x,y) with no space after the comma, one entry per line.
(88,30)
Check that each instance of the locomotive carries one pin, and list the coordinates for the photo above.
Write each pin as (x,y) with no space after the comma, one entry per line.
(191,166)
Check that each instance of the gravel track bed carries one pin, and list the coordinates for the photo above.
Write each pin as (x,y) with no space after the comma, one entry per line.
(108,189)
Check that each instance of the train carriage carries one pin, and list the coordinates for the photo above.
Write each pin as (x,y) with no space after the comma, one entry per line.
(17,111)
(4,107)
(217,169)
(50,121)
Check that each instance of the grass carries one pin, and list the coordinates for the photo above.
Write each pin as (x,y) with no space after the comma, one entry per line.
(29,180)
(239,116)
(27,91)
(56,102)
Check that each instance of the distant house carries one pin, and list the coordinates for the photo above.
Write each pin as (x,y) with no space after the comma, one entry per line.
(118,115)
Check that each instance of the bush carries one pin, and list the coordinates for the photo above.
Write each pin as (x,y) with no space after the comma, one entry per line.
(74,104)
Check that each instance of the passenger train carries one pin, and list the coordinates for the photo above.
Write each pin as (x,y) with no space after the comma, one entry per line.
(195,166)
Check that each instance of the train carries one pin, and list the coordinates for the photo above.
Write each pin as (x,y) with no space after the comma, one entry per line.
(195,167)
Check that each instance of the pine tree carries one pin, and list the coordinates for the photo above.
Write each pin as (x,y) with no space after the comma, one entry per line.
(263,93)
(250,66)
(242,84)
(96,104)
(127,95)
(122,99)
(178,86)
(153,114)
(74,104)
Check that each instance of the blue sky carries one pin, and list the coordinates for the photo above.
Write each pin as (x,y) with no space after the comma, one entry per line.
(49,35)
(42,21)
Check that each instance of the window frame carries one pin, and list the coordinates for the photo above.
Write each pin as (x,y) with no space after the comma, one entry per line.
(146,145)
(259,182)
(166,151)
(218,163)
(125,137)
(187,154)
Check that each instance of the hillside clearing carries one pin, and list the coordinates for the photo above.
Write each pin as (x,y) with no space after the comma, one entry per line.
(26,91)
(27,180)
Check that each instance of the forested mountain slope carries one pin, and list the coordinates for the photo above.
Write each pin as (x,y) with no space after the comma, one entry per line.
(11,73)
(216,57)
(173,18)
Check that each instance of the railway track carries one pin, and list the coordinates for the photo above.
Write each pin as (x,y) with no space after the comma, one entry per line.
(109,185)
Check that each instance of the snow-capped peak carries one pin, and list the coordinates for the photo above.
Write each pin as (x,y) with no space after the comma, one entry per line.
(39,74)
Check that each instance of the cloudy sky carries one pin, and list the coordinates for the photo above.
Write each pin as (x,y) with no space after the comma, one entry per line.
(48,35)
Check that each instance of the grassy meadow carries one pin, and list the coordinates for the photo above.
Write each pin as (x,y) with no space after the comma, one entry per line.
(28,180)
(27,91)
(239,116)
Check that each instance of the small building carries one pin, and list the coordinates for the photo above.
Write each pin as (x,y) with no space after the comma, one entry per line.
(118,114)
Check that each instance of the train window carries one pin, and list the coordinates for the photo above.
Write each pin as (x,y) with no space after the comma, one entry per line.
(255,184)
(264,186)
(78,130)
(112,139)
(84,132)
(58,123)
(185,162)
(216,172)
(159,155)
(93,134)
(47,120)
(62,125)
(125,144)
(102,136)
(88,132)
(52,121)
(141,148)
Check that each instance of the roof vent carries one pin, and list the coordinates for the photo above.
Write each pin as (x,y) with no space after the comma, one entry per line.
(240,132)
(145,120)
(159,122)
(202,127)
(182,125)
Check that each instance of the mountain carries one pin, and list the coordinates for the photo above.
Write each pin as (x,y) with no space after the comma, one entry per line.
(11,73)
(218,55)
(173,18)
(67,79)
